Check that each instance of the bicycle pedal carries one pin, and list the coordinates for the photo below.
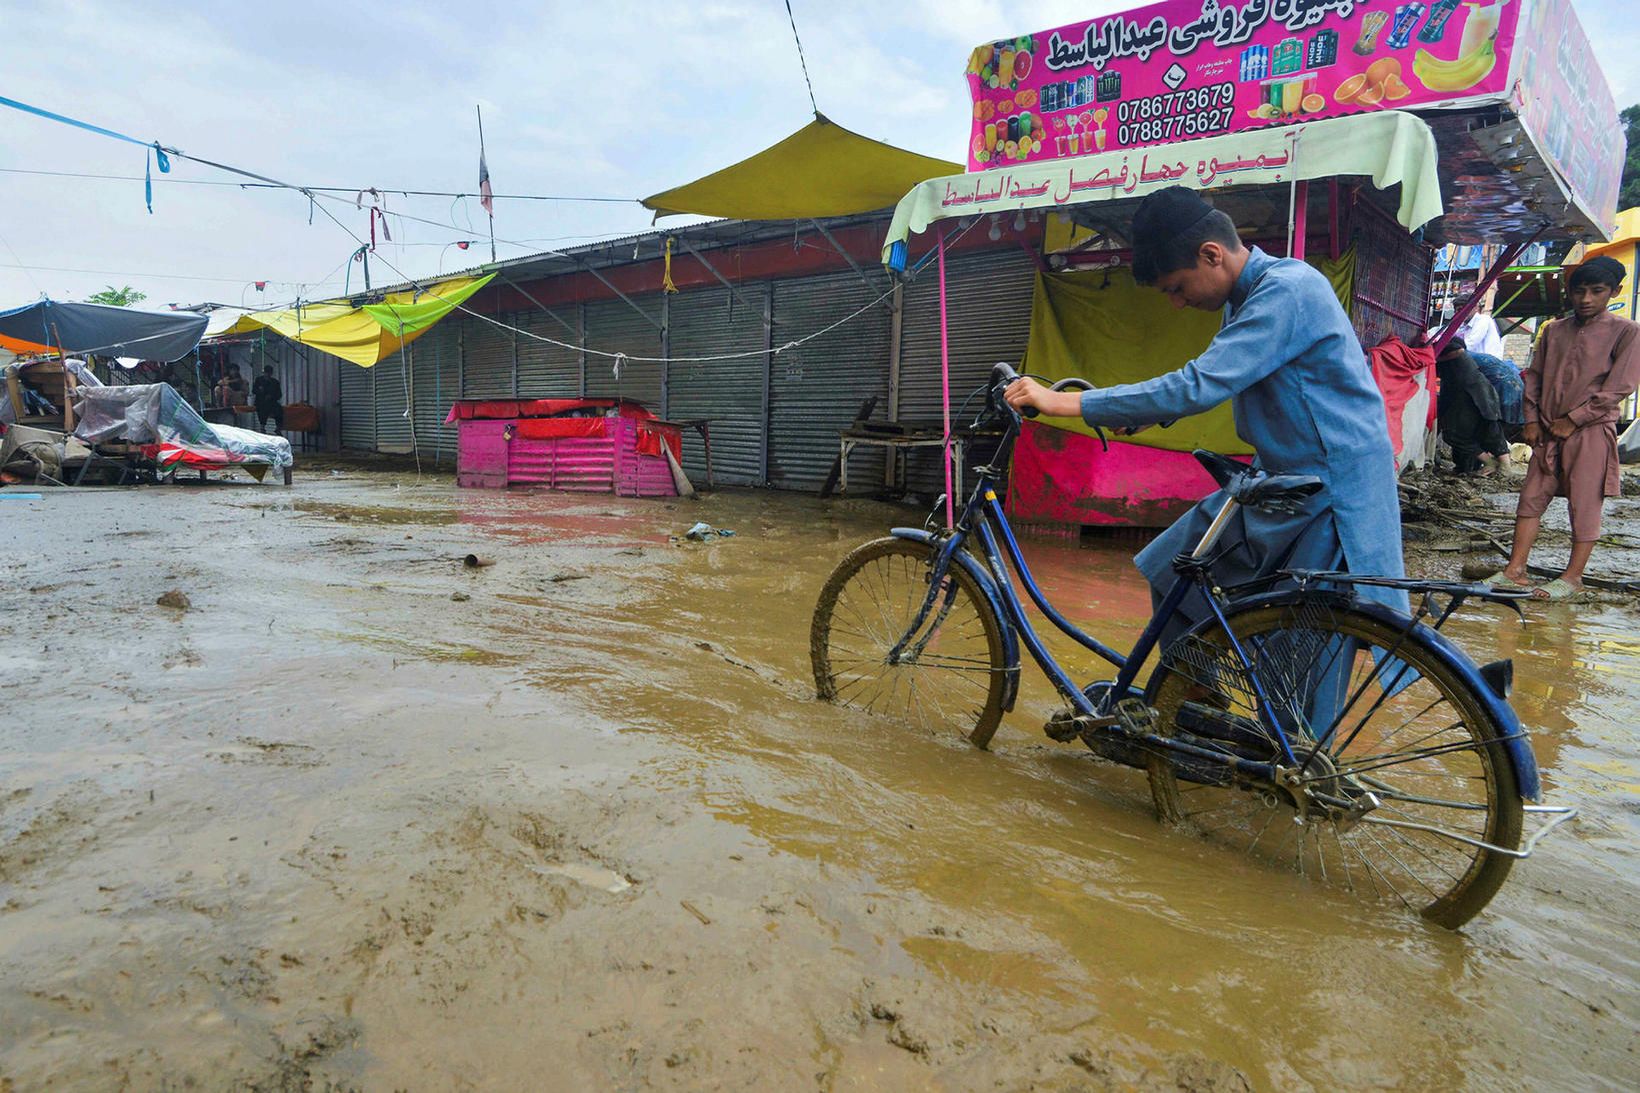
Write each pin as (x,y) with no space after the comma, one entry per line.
(1133,715)
(1062,726)
(1066,725)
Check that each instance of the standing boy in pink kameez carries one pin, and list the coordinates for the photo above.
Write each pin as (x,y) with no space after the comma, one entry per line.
(1582,370)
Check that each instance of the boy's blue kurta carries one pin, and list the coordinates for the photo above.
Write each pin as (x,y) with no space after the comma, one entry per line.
(1303,397)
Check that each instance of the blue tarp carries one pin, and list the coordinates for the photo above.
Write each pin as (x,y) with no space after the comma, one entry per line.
(86,329)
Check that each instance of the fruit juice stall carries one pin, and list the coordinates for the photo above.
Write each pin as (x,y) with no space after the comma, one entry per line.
(1353,135)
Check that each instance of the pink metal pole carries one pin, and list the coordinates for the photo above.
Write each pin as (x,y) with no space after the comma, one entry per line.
(945,387)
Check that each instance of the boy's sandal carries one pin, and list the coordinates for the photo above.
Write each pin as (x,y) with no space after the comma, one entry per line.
(1557,589)
(1501,579)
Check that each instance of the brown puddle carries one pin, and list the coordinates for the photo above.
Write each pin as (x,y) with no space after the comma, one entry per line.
(599,829)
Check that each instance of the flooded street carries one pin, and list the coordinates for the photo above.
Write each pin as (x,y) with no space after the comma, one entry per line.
(361,816)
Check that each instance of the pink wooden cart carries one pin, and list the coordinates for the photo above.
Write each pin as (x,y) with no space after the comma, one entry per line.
(582,445)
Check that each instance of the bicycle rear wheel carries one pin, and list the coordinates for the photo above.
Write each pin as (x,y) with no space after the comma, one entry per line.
(952,677)
(1392,720)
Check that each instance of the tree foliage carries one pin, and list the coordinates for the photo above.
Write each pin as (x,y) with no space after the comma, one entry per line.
(125,296)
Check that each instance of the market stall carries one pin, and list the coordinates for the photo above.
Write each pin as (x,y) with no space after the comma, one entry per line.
(48,336)
(1350,135)
(584,445)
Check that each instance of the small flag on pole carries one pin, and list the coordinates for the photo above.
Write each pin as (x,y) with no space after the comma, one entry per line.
(485,194)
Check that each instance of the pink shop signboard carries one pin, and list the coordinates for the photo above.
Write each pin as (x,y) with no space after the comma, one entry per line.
(1199,68)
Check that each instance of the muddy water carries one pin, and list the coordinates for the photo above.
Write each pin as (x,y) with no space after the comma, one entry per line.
(361,816)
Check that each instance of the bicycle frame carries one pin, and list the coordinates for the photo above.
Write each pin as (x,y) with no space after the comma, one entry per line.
(1112,712)
(979,515)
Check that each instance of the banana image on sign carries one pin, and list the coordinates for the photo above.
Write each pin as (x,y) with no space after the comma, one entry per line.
(1477,54)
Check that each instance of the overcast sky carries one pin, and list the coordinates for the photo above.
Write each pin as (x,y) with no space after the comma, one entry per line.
(616,99)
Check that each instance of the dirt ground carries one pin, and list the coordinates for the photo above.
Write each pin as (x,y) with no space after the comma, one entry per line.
(359,817)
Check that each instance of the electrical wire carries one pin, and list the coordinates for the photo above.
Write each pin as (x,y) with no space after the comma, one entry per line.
(22,265)
(422,290)
(315,189)
(801,59)
(153,276)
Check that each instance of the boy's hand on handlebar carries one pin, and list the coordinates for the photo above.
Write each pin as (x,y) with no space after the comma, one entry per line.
(1027,392)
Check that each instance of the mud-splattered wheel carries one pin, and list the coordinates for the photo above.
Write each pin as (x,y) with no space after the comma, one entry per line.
(1394,721)
(951,675)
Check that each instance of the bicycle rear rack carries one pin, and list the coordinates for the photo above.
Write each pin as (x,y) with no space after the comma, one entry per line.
(1561,814)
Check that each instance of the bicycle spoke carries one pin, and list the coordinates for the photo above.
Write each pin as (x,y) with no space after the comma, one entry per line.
(949,677)
(1383,714)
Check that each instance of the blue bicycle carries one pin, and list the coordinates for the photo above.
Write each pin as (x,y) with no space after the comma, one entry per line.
(1295,723)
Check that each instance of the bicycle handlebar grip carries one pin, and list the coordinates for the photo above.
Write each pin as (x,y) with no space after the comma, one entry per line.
(1002,375)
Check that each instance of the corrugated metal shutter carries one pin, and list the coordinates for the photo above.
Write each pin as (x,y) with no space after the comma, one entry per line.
(988,319)
(817,388)
(358,407)
(304,375)
(546,370)
(437,375)
(487,360)
(727,394)
(392,379)
(613,327)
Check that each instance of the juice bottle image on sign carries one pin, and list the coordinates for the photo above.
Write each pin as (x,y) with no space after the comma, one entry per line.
(1371,24)
(1479,26)
(1291,96)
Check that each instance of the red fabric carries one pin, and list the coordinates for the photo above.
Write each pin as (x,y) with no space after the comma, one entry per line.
(549,428)
(1395,368)
(206,458)
(650,435)
(493,409)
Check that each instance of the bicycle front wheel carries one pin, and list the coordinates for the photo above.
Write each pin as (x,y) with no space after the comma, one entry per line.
(1377,713)
(951,675)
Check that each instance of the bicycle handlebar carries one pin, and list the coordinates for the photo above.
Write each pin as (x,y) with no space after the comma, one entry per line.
(1003,375)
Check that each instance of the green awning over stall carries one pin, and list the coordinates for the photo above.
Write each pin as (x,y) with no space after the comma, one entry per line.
(1391,148)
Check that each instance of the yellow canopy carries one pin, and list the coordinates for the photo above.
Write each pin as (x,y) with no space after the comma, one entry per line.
(363,335)
(820,170)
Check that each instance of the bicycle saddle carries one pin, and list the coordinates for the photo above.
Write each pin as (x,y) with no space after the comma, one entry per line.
(1259,489)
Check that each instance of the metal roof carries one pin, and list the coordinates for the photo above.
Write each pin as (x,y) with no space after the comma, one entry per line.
(628,249)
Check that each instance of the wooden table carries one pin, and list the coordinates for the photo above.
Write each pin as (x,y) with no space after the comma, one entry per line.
(893,444)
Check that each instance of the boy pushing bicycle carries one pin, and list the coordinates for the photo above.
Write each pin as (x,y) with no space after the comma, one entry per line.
(1289,362)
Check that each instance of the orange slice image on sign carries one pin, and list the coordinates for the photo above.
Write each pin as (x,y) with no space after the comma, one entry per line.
(1372,96)
(1395,89)
(1351,89)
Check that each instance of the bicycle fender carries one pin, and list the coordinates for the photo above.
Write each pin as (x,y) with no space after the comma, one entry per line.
(982,577)
(1516,744)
